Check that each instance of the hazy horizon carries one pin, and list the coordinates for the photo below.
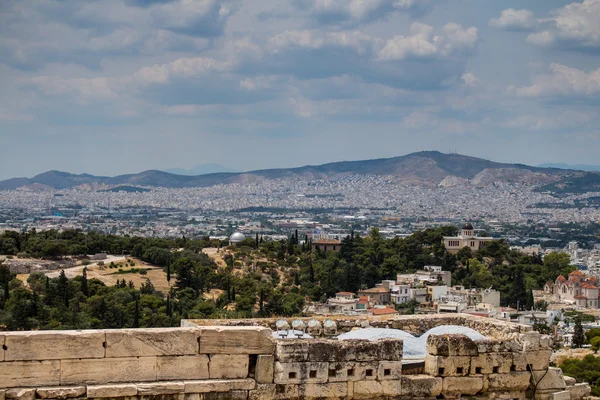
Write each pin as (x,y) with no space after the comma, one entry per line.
(122,86)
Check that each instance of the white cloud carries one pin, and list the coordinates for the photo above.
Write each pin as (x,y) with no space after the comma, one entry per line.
(84,88)
(317,39)
(470,79)
(574,25)
(560,120)
(511,19)
(423,43)
(563,80)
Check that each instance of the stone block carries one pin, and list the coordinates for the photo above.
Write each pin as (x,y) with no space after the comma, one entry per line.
(384,349)
(274,392)
(539,360)
(421,386)
(151,342)
(107,370)
(295,373)
(182,367)
(464,385)
(53,345)
(513,381)
(507,395)
(236,340)
(343,372)
(232,395)
(292,350)
(322,350)
(20,394)
(497,346)
(2,394)
(579,391)
(392,388)
(367,390)
(550,379)
(323,390)
(218,385)
(29,373)
(520,362)
(389,370)
(265,367)
(159,388)
(108,391)
(530,340)
(60,392)
(451,345)
(570,381)
(564,395)
(447,366)
(366,370)
(492,363)
(228,366)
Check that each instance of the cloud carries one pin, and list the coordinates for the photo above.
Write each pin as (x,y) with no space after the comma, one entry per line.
(470,79)
(85,89)
(352,13)
(423,43)
(572,26)
(514,20)
(563,81)
(555,121)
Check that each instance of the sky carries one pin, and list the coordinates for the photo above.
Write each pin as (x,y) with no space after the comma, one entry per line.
(121,86)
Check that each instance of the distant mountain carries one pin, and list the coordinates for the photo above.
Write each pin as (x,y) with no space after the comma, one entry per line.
(202,169)
(580,167)
(426,168)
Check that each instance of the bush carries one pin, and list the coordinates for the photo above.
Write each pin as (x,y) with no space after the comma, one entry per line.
(85,262)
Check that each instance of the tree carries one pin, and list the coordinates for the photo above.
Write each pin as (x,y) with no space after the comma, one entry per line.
(84,283)
(578,337)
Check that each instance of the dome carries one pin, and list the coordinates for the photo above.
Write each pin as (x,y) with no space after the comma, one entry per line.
(237,237)
(468,226)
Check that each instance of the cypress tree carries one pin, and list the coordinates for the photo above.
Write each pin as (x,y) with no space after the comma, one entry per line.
(84,283)
(136,315)
(578,338)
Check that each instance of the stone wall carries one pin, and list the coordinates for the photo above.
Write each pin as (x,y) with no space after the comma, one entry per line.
(200,362)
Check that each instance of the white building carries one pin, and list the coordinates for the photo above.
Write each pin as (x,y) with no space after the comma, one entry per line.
(467,238)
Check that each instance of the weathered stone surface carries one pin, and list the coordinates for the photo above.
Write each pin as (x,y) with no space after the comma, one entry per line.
(531,340)
(53,345)
(520,362)
(447,366)
(219,385)
(367,389)
(107,370)
(552,379)
(236,340)
(29,373)
(469,385)
(564,395)
(492,363)
(101,391)
(570,381)
(232,395)
(451,345)
(321,350)
(338,372)
(159,388)
(182,367)
(2,348)
(513,381)
(366,370)
(421,386)
(228,366)
(274,392)
(389,370)
(323,390)
(293,350)
(2,394)
(265,367)
(294,373)
(60,392)
(151,342)
(391,388)
(579,391)
(539,359)
(384,349)
(20,394)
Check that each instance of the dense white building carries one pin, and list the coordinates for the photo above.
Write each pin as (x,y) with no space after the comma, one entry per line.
(467,238)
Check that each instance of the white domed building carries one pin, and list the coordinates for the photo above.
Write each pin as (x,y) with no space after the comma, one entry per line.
(236,238)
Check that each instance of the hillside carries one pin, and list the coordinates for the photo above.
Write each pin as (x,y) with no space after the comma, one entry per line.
(428,168)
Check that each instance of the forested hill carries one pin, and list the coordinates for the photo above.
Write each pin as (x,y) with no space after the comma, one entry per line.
(428,168)
(258,278)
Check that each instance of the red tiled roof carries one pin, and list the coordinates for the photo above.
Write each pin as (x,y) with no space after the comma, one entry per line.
(588,286)
(561,278)
(580,296)
(576,272)
(382,311)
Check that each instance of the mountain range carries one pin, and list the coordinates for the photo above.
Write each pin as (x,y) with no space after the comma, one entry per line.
(426,168)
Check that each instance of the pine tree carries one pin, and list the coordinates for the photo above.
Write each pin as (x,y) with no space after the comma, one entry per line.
(84,283)
(578,338)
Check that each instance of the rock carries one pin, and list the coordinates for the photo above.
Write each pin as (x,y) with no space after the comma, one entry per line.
(151,342)
(160,388)
(182,367)
(552,379)
(29,373)
(20,394)
(60,392)
(105,370)
(421,386)
(102,391)
(570,381)
(579,391)
(236,340)
(53,345)
(228,366)
(265,367)
(218,385)
(539,360)
(564,395)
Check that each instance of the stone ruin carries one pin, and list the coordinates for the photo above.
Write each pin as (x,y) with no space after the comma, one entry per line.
(224,359)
